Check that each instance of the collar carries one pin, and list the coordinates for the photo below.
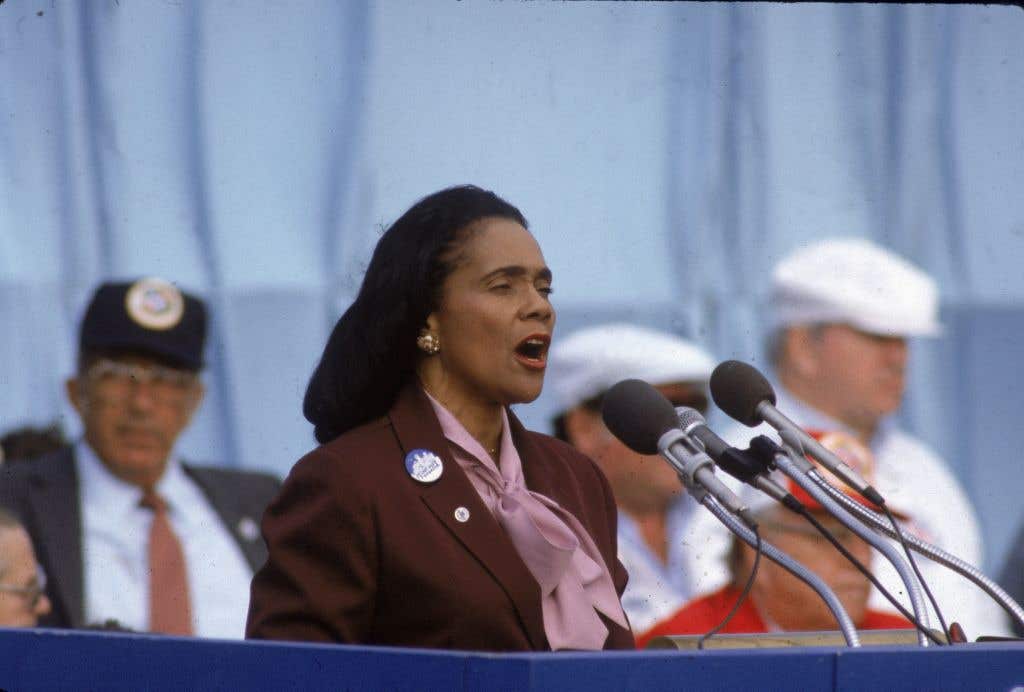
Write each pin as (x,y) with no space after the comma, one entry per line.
(809,417)
(456,433)
(117,496)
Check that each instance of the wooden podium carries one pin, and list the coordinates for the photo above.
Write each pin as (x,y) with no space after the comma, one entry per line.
(783,639)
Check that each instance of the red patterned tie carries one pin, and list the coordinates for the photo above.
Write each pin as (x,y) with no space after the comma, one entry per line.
(169,609)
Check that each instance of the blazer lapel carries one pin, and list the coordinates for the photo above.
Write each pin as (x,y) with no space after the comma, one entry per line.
(537,471)
(417,428)
(53,498)
(243,526)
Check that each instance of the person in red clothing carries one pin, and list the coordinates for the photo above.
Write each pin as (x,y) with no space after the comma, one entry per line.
(778,601)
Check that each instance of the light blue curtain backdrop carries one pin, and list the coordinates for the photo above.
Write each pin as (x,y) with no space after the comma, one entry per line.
(665,154)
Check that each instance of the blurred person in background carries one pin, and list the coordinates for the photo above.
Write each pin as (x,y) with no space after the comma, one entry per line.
(30,442)
(22,581)
(125,529)
(843,310)
(779,601)
(665,558)
(1011,578)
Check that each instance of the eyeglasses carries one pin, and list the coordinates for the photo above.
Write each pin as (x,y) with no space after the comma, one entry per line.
(31,593)
(695,400)
(119,379)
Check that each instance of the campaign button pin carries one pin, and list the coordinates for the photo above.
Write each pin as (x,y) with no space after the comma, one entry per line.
(248,529)
(461,515)
(423,465)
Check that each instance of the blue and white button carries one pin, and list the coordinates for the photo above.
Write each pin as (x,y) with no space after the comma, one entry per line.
(248,528)
(423,465)
(461,515)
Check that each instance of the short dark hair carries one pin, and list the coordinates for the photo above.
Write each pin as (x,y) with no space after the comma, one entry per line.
(9,520)
(371,353)
(559,430)
(595,403)
(775,343)
(30,442)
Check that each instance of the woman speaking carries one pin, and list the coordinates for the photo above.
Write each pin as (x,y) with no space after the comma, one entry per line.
(429,516)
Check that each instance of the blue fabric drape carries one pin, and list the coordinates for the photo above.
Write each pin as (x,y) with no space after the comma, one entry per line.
(666,155)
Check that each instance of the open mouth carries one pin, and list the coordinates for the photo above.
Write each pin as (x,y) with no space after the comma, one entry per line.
(533,350)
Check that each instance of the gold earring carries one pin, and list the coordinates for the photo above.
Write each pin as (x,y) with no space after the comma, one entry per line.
(428,343)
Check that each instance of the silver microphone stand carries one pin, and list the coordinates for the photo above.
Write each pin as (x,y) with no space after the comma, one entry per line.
(805,575)
(786,464)
(965,569)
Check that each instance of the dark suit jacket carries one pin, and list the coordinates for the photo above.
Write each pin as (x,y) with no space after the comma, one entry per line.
(44,494)
(1012,576)
(360,552)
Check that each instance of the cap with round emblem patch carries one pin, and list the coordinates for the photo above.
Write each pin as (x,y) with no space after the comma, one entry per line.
(154,304)
(151,316)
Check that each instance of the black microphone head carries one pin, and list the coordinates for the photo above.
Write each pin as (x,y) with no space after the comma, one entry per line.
(638,414)
(738,389)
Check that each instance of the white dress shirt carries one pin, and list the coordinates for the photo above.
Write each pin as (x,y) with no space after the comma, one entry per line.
(656,590)
(115,536)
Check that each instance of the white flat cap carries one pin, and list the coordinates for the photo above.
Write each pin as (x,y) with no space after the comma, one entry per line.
(589,361)
(853,281)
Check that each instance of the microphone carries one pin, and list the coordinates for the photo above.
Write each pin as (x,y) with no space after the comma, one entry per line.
(745,394)
(750,465)
(744,465)
(644,420)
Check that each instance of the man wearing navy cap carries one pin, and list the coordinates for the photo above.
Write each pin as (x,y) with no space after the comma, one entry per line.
(125,529)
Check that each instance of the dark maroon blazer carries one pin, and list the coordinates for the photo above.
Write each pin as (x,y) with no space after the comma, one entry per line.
(361,553)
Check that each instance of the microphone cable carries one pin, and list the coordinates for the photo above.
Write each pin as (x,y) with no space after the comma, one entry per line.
(809,516)
(913,564)
(743,596)
(763,455)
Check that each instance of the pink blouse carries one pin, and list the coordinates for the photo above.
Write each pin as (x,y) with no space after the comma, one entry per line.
(574,580)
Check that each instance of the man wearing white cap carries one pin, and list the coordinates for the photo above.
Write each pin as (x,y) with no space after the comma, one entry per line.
(664,561)
(843,310)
